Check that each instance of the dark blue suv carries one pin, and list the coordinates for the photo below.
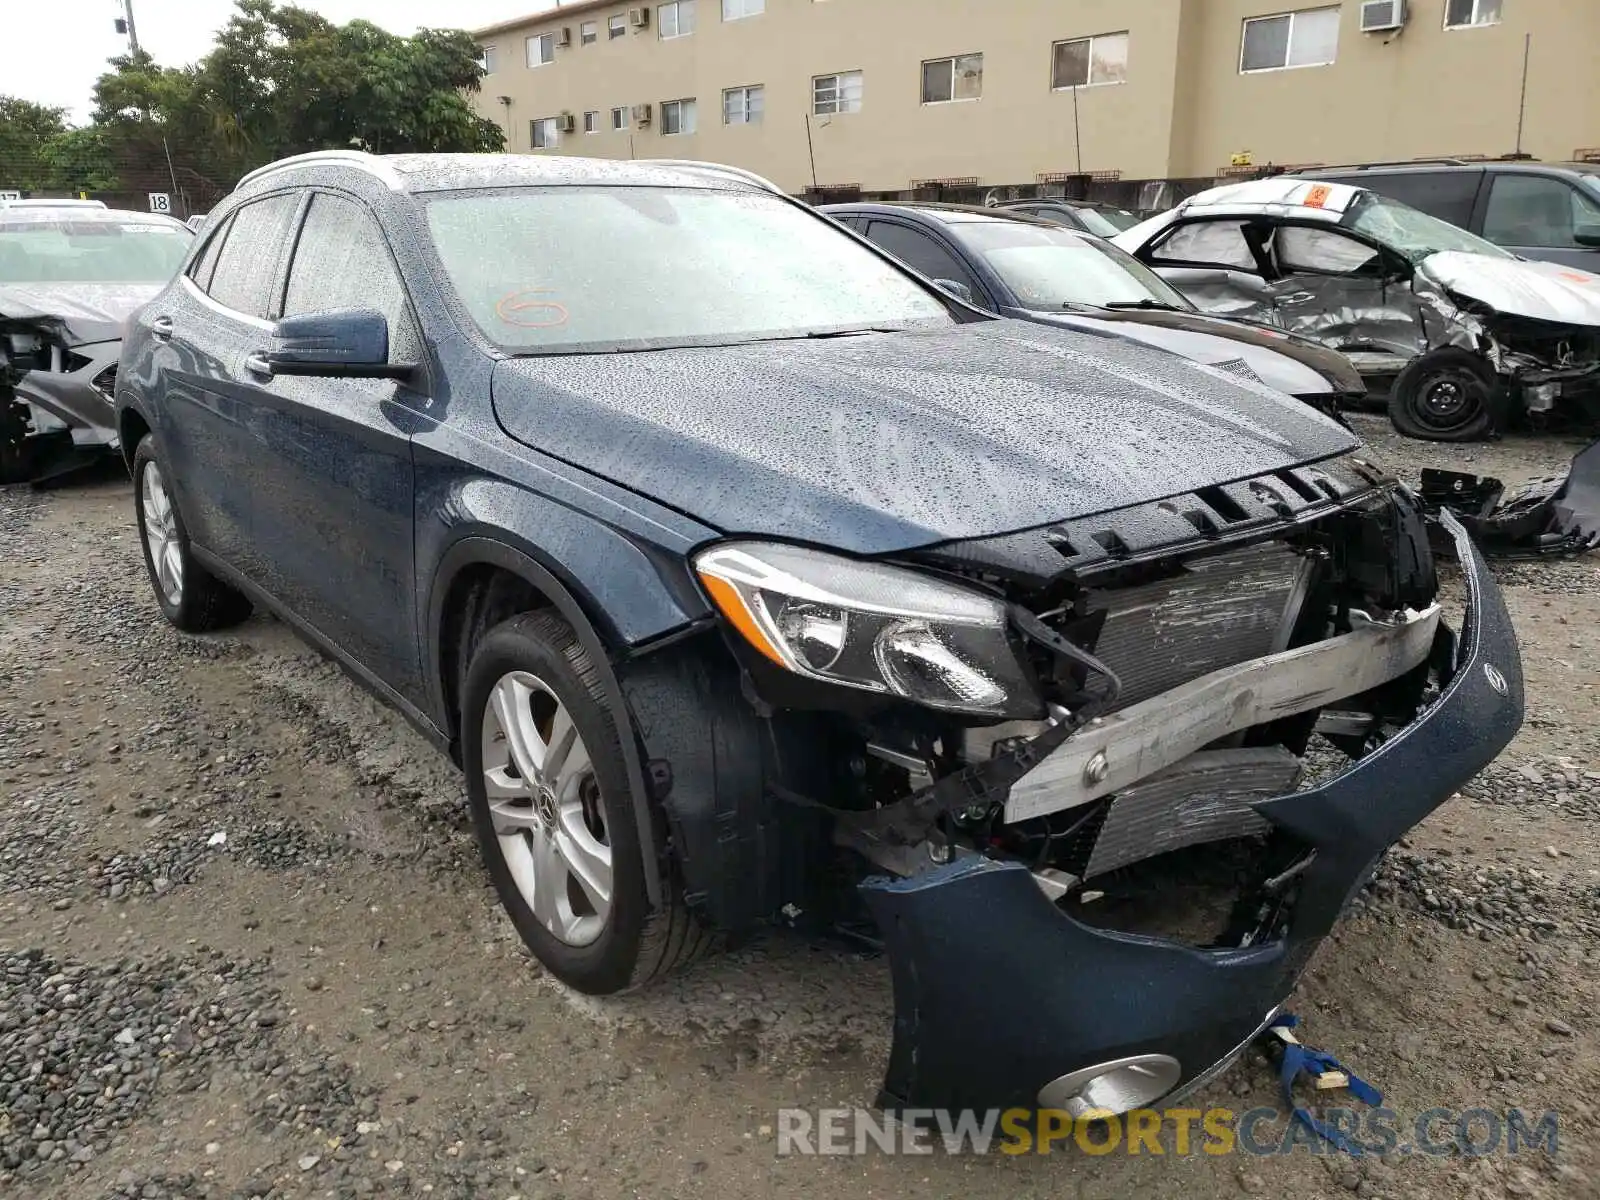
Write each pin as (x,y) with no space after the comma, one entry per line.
(752,579)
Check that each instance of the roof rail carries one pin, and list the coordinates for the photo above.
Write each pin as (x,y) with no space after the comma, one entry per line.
(689,164)
(1397,162)
(370,163)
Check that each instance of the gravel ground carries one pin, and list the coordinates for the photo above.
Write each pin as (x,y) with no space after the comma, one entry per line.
(246,950)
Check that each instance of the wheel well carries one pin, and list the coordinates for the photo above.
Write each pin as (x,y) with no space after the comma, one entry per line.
(131,429)
(480,597)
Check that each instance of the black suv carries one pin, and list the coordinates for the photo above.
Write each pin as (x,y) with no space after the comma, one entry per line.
(1548,211)
(752,578)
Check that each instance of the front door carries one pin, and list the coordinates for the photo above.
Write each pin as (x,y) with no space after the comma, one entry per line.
(334,507)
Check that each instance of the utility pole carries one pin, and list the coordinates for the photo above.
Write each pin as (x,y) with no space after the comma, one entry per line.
(1522,102)
(125,25)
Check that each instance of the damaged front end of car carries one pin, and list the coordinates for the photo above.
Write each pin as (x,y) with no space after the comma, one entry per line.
(55,398)
(1069,770)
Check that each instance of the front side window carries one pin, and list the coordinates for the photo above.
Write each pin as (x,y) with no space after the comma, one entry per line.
(677,116)
(1052,269)
(683,266)
(541,49)
(616,26)
(1527,210)
(958,78)
(588,33)
(1409,232)
(1463,14)
(742,105)
(735,10)
(839,93)
(542,133)
(619,119)
(675,19)
(62,247)
(1324,252)
(342,261)
(1309,38)
(1089,62)
(248,264)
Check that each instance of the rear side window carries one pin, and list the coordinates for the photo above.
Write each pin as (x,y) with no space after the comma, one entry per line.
(342,261)
(1211,243)
(1448,195)
(248,262)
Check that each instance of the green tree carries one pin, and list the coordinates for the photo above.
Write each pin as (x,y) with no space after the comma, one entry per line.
(26,130)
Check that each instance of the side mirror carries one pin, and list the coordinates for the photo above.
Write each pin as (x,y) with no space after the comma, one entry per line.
(959,290)
(350,342)
(1587,235)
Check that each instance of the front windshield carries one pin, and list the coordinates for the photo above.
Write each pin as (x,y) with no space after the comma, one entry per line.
(1414,234)
(1052,268)
(62,248)
(581,269)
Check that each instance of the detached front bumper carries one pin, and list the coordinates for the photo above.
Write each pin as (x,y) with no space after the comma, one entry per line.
(1000,996)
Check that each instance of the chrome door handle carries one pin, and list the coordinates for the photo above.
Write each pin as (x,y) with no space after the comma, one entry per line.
(161,327)
(257,364)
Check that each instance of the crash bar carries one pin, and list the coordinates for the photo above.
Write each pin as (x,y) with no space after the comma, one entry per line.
(1115,751)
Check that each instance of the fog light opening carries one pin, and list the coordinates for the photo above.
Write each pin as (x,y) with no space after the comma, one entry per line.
(1111,1088)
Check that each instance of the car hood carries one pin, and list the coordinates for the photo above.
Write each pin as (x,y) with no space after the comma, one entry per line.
(84,312)
(1283,361)
(1519,288)
(886,442)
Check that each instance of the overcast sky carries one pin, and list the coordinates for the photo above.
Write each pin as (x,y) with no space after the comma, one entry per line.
(52,51)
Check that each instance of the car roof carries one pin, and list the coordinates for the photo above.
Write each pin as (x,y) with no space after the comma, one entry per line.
(15,218)
(1516,166)
(1281,195)
(454,172)
(50,202)
(944,214)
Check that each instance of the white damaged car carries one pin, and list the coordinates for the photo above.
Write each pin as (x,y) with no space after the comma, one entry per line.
(1460,333)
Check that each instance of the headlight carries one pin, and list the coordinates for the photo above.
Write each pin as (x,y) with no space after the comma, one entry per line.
(877,628)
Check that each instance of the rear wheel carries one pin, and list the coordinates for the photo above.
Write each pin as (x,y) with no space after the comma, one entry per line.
(554,813)
(190,596)
(1446,396)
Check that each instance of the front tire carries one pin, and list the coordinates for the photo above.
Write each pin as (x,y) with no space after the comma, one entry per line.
(190,597)
(1446,396)
(554,813)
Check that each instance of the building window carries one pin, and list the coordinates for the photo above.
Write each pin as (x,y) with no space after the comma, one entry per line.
(588,32)
(616,26)
(1090,61)
(959,78)
(735,10)
(676,19)
(1463,14)
(619,119)
(742,105)
(1299,39)
(486,59)
(542,133)
(541,49)
(677,116)
(839,93)
(591,121)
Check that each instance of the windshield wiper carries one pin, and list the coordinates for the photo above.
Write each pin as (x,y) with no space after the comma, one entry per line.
(1159,305)
(840,333)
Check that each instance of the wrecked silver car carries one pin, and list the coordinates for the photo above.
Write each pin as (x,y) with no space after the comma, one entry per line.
(1461,334)
(70,276)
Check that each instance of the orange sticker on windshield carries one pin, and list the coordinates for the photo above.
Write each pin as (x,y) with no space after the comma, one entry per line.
(1577,276)
(1317,197)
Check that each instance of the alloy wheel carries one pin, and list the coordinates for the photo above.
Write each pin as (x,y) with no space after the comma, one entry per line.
(161,535)
(544,804)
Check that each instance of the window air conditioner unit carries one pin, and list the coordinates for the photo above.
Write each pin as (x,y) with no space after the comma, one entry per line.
(564,36)
(641,114)
(638,17)
(1382,16)
(566,123)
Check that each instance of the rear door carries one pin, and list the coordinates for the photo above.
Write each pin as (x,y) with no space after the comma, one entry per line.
(1541,216)
(1221,264)
(334,512)
(215,317)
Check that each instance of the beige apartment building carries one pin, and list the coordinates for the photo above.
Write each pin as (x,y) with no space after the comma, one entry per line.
(888,95)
